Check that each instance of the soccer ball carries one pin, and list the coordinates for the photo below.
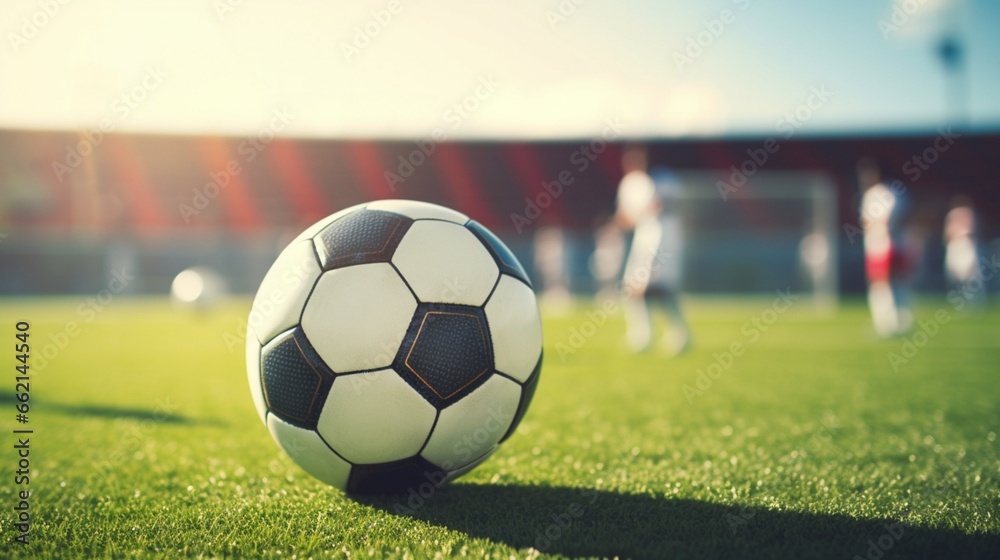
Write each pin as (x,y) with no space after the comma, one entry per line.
(197,287)
(393,344)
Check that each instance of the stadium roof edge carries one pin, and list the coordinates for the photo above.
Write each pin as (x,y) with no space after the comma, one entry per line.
(985,131)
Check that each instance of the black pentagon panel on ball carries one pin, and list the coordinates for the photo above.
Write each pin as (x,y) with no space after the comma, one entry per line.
(505,259)
(450,351)
(365,236)
(397,477)
(294,379)
(446,352)
(527,393)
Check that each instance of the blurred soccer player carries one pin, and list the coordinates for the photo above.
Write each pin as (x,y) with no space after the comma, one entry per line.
(646,205)
(550,260)
(609,254)
(961,261)
(885,207)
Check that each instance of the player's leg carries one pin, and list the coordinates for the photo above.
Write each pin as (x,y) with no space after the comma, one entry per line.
(677,337)
(638,322)
(902,305)
(963,274)
(667,277)
(883,308)
(881,301)
(638,272)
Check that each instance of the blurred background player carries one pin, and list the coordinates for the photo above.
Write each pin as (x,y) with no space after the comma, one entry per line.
(646,206)
(550,262)
(885,207)
(609,254)
(961,261)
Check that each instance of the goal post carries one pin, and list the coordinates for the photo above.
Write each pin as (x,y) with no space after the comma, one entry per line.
(778,230)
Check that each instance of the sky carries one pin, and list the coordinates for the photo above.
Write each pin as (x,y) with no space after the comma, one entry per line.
(476,69)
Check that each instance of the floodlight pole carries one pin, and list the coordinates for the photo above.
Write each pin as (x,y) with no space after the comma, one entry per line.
(950,49)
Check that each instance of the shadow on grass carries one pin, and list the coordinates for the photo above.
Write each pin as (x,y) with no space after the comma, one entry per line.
(584,522)
(99,411)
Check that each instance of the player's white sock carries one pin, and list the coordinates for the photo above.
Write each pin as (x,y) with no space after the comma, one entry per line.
(639,330)
(678,338)
(884,315)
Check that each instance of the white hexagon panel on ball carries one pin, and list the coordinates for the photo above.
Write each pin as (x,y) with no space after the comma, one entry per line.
(468,429)
(515,328)
(307,449)
(375,417)
(446,263)
(357,316)
(283,292)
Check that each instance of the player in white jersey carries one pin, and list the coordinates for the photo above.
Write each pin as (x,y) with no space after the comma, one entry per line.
(647,206)
(961,260)
(885,206)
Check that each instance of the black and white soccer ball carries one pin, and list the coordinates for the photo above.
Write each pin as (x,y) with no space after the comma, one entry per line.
(393,344)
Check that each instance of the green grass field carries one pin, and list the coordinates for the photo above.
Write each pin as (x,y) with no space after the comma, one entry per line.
(808,445)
